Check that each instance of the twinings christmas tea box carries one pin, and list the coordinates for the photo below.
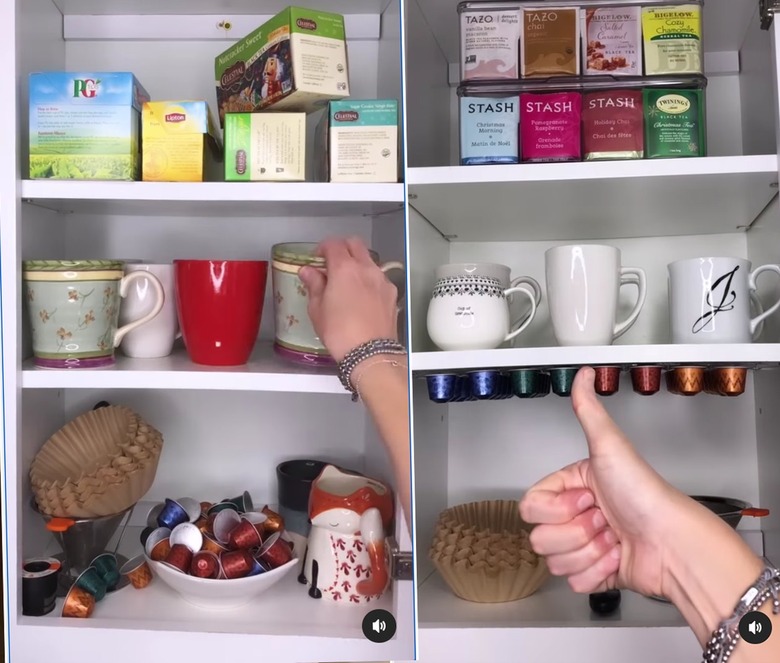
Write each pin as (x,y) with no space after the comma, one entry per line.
(550,126)
(489,41)
(613,125)
(294,62)
(489,130)
(550,42)
(675,123)
(180,143)
(672,38)
(612,41)
(85,126)
(265,147)
(357,141)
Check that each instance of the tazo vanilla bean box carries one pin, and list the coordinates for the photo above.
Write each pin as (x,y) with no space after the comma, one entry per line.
(672,37)
(550,126)
(551,42)
(613,125)
(358,141)
(265,147)
(489,130)
(489,42)
(612,41)
(674,123)
(294,62)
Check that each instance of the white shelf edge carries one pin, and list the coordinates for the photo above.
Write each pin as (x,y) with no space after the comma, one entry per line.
(765,163)
(758,353)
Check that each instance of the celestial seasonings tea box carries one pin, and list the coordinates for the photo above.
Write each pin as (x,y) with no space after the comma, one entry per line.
(550,42)
(672,39)
(180,142)
(293,62)
(265,147)
(613,125)
(489,130)
(489,43)
(550,126)
(612,41)
(85,126)
(357,141)
(674,123)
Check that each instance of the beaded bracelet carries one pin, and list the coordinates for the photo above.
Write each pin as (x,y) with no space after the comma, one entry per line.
(725,638)
(381,346)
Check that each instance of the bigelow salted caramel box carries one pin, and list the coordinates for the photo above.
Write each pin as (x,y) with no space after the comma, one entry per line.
(296,61)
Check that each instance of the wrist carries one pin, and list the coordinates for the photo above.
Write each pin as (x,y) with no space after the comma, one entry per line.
(363,374)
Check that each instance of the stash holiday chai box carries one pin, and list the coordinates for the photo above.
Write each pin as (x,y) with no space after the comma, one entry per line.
(296,61)
(85,126)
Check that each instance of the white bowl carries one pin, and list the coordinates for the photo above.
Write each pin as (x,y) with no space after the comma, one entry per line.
(219,594)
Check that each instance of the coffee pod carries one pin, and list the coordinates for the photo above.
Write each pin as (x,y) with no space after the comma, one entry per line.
(562,380)
(276,551)
(441,388)
(145,532)
(188,535)
(40,577)
(711,383)
(172,514)
(158,545)
(244,536)
(224,523)
(274,522)
(90,581)
(236,564)
(204,524)
(525,383)
(205,565)
(221,506)
(484,385)
(191,506)
(212,545)
(689,380)
(204,509)
(671,382)
(108,568)
(243,502)
(730,381)
(179,558)
(646,380)
(137,571)
(258,520)
(607,380)
(154,514)
(78,603)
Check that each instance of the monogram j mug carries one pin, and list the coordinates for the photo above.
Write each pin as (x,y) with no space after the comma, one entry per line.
(710,300)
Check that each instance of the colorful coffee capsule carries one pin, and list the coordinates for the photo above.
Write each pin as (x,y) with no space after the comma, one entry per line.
(78,603)
(158,545)
(530,383)
(243,502)
(137,571)
(224,523)
(484,384)
(441,388)
(244,536)
(191,506)
(276,551)
(259,520)
(204,525)
(258,567)
(180,558)
(172,514)
(205,565)
(236,564)
(562,380)
(91,581)
(607,380)
(730,381)
(646,380)
(212,545)
(506,387)
(221,506)
(544,384)
(145,532)
(689,380)
(154,514)
(187,535)
(274,522)
(711,383)
(671,383)
(108,568)
(204,509)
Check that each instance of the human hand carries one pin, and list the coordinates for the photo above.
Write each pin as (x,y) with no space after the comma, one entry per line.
(352,301)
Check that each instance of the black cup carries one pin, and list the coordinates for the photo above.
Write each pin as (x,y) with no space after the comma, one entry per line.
(294,478)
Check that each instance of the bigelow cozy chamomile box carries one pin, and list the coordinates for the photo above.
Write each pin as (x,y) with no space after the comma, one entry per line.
(357,141)
(85,126)
(296,61)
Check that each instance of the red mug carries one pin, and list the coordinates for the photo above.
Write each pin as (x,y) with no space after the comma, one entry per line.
(220,304)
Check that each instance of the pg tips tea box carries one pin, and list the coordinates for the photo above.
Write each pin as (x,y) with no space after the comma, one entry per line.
(85,126)
(296,61)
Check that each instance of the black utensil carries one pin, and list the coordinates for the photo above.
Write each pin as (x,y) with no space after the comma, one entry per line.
(605,603)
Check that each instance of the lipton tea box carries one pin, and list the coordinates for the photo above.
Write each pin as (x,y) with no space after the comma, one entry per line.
(180,143)
(357,141)
(85,126)
(296,61)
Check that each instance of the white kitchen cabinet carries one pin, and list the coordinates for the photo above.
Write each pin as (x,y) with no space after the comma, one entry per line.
(225,429)
(655,211)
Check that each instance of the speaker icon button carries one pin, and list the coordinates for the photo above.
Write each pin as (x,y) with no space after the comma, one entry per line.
(755,628)
(379,626)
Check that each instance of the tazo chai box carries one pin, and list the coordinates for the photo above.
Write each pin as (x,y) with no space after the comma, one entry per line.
(358,141)
(293,62)
(85,126)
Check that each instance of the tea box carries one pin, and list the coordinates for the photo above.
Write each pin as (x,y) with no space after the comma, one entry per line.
(613,125)
(295,61)
(550,126)
(489,130)
(265,147)
(674,123)
(357,141)
(672,39)
(489,40)
(179,141)
(85,126)
(550,42)
(612,41)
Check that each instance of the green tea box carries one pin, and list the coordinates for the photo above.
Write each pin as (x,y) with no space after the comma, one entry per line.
(357,141)
(265,147)
(85,126)
(296,61)
(674,123)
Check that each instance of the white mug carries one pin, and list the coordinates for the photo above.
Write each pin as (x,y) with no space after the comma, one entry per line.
(583,290)
(472,313)
(156,338)
(710,300)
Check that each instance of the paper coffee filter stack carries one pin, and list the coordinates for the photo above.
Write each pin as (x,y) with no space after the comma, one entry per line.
(483,553)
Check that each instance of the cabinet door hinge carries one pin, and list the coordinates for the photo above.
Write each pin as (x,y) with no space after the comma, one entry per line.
(768,10)
(401,562)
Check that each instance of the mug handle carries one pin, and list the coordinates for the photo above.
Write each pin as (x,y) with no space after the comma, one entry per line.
(527,280)
(752,285)
(124,284)
(389,267)
(758,308)
(529,319)
(633,276)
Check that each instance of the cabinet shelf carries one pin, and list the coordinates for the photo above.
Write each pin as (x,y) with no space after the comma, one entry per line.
(596,200)
(757,355)
(264,372)
(201,7)
(210,199)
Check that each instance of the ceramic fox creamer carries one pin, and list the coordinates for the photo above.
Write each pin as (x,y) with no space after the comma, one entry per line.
(346,560)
